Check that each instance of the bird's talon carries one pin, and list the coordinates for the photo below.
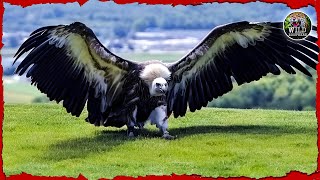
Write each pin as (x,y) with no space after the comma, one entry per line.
(168,136)
(130,134)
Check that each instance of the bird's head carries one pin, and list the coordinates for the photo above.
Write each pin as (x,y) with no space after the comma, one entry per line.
(156,75)
(158,87)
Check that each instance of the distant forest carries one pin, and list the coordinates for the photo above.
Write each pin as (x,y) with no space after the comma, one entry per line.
(110,20)
(114,21)
(287,91)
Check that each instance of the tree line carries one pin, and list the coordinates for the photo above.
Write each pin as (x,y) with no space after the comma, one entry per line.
(291,92)
(111,20)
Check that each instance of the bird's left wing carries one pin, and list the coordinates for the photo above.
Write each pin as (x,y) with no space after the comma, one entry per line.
(68,62)
(245,51)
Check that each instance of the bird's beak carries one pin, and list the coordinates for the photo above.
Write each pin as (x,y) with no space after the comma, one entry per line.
(162,90)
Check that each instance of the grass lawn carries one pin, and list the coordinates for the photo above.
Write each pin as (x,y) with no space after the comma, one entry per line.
(43,139)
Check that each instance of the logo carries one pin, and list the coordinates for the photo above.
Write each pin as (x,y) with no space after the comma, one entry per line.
(297,25)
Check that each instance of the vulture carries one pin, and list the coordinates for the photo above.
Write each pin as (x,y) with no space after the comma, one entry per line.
(70,65)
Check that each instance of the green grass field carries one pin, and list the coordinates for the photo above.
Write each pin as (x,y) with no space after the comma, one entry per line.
(43,139)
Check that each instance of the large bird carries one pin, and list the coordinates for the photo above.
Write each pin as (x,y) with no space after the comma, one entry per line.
(69,64)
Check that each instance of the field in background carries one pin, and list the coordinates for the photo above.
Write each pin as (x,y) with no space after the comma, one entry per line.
(165,57)
(19,92)
(44,140)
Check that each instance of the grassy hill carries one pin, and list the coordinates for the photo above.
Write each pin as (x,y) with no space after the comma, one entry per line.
(43,139)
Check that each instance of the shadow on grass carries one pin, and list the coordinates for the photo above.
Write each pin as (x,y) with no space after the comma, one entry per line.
(82,147)
(241,129)
(105,140)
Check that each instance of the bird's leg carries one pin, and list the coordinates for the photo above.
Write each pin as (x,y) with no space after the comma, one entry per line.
(141,127)
(130,129)
(131,123)
(164,129)
(159,117)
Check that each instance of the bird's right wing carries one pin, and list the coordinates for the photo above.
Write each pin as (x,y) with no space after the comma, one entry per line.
(67,62)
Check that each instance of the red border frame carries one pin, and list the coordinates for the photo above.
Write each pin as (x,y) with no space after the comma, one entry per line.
(294,4)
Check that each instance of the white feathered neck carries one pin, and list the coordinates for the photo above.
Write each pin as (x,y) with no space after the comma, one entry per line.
(153,71)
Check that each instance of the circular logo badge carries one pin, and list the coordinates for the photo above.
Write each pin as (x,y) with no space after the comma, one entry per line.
(297,25)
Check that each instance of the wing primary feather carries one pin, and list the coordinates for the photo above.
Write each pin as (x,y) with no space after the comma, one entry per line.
(202,99)
(195,93)
(208,89)
(308,44)
(235,66)
(216,78)
(303,58)
(254,68)
(205,87)
(31,70)
(268,64)
(28,45)
(38,33)
(54,93)
(312,39)
(267,53)
(185,101)
(42,29)
(192,106)
(301,45)
(275,54)
(71,103)
(297,54)
(176,107)
(170,98)
(296,64)
(80,96)
(210,81)
(261,56)
(30,59)
(183,104)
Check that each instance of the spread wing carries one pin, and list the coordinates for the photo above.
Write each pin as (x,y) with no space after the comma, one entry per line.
(245,51)
(67,62)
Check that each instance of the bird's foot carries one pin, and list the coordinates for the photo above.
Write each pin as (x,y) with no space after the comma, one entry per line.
(131,135)
(130,132)
(167,136)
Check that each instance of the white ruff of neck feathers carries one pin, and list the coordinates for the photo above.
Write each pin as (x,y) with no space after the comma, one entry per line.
(153,71)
